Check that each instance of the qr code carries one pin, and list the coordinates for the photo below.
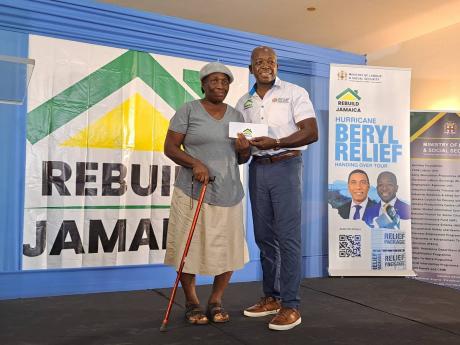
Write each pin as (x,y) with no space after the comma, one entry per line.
(349,246)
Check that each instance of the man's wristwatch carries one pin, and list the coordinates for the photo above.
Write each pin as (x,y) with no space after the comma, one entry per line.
(277,144)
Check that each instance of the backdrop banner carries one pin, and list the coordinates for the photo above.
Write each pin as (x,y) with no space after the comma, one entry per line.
(435,180)
(98,186)
(369,171)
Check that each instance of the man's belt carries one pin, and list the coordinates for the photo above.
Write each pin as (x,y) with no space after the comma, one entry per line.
(275,158)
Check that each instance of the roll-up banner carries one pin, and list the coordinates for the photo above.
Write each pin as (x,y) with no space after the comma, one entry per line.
(369,171)
(435,180)
(98,186)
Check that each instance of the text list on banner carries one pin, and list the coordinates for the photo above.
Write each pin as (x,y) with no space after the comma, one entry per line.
(435,179)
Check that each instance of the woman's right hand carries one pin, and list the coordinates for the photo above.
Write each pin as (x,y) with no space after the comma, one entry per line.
(200,172)
(242,145)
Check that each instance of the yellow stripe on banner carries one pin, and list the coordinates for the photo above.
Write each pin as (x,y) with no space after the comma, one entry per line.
(426,126)
(133,125)
(348,97)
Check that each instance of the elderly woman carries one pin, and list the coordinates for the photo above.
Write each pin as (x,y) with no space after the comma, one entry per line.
(198,141)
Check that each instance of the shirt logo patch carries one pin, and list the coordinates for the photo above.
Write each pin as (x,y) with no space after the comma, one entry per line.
(281,100)
(248,104)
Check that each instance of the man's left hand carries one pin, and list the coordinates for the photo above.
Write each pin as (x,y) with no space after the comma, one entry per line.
(263,143)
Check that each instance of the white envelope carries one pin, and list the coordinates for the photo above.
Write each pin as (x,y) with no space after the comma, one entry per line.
(250,130)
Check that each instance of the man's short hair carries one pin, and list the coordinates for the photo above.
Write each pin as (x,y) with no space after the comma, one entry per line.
(263,47)
(358,171)
(389,173)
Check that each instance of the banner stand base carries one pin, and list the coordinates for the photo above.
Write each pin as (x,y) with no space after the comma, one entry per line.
(358,273)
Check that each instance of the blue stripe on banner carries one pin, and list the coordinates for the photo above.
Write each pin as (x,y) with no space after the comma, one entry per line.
(12,158)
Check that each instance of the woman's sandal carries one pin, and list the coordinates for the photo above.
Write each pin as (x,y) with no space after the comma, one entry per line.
(195,315)
(216,313)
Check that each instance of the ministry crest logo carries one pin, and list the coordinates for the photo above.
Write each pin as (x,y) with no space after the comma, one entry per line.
(342,75)
(450,128)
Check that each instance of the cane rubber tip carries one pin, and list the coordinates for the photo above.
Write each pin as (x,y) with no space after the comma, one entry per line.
(164,327)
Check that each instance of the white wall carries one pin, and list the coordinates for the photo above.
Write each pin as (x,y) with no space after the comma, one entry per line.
(435,62)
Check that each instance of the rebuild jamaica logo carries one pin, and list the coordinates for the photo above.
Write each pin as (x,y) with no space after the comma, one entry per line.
(348,101)
(247,133)
(97,179)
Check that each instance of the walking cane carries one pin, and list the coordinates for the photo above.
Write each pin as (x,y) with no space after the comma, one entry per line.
(164,324)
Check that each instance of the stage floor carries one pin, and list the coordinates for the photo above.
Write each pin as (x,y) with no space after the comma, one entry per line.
(341,311)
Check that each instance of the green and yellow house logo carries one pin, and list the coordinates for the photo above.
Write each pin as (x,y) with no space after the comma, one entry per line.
(348,95)
(348,101)
(247,133)
(133,124)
